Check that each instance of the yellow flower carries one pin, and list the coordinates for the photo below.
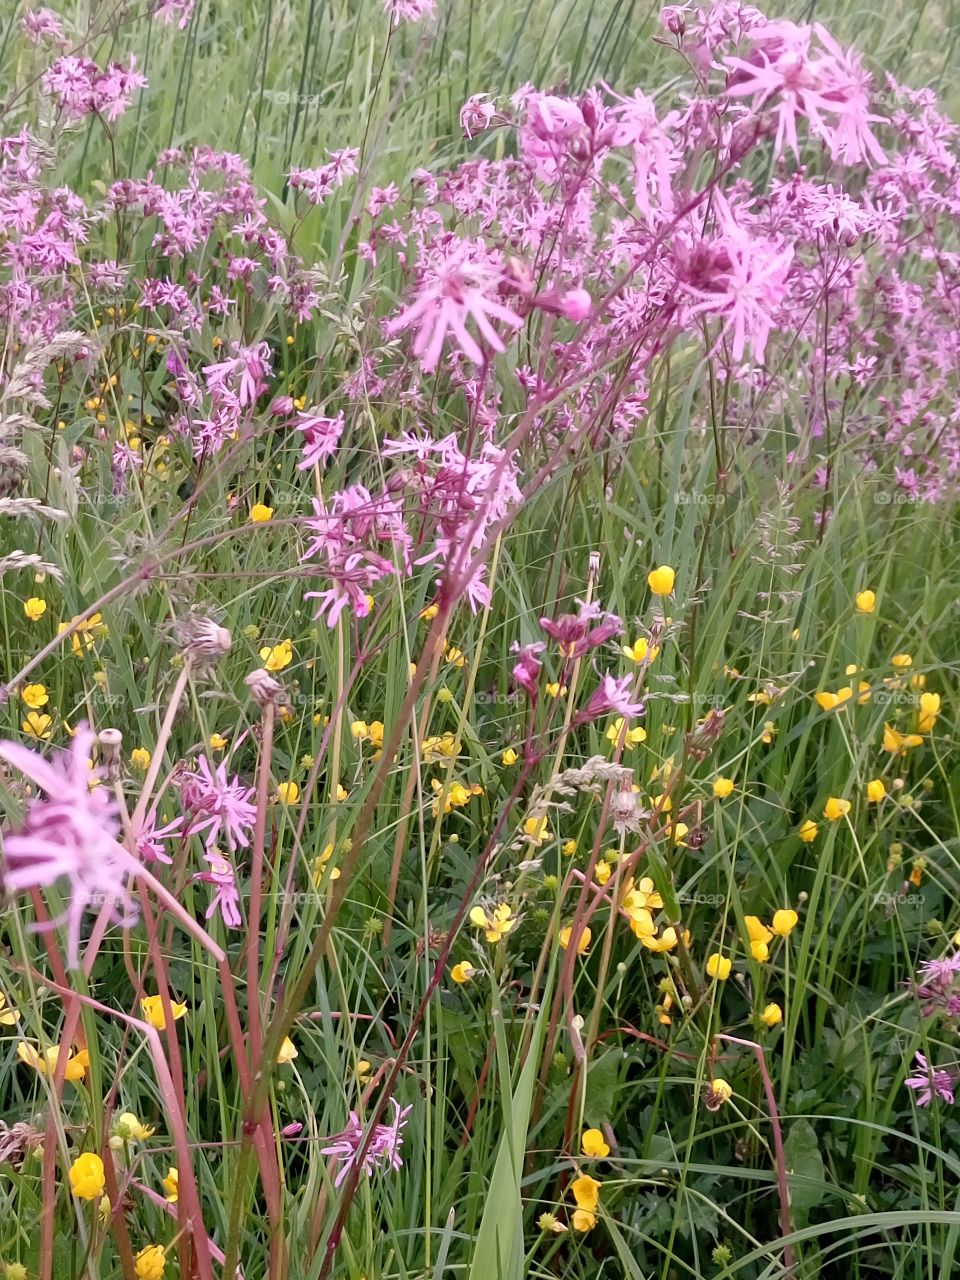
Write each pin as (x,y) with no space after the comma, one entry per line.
(288,792)
(584,1220)
(359,730)
(583,941)
(320,866)
(784,922)
(632,738)
(722,787)
(899,742)
(128,1128)
(260,514)
(509,757)
(876,790)
(667,941)
(152,1007)
(8,1015)
(640,650)
(87,1179)
(771,1015)
(46,1063)
(555,689)
(171,1185)
(82,639)
(217,742)
(497,924)
(827,701)
(140,758)
(719,966)
(568,848)
(592,1144)
(442,746)
(760,937)
(150,1262)
(277,657)
(836,808)
(769,732)
(455,657)
(586,1192)
(718,1092)
(602,872)
(34,696)
(287,1051)
(901,661)
(34,608)
(808,831)
(661,580)
(364,1070)
(462,973)
(929,710)
(866,601)
(37,726)
(536,829)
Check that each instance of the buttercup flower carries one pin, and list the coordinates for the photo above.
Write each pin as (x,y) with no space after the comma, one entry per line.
(153,1013)
(836,808)
(784,922)
(593,1144)
(260,513)
(866,601)
(287,1051)
(719,966)
(772,1014)
(660,581)
(34,608)
(583,938)
(171,1185)
(497,924)
(87,1180)
(150,1263)
(808,831)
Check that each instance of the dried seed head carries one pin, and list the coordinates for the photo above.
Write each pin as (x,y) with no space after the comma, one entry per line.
(264,689)
(203,641)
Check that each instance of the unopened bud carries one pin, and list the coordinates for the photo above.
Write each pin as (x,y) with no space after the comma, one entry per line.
(110,742)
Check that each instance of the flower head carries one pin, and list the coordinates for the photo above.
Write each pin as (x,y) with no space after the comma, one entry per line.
(69,832)
(87,1180)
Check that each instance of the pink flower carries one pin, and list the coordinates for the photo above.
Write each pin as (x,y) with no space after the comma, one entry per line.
(408,10)
(476,114)
(576,634)
(321,437)
(226,900)
(454,287)
(223,809)
(384,1148)
(526,671)
(931,1081)
(69,832)
(613,694)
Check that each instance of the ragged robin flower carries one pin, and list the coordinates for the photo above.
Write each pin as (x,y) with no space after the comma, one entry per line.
(496,923)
